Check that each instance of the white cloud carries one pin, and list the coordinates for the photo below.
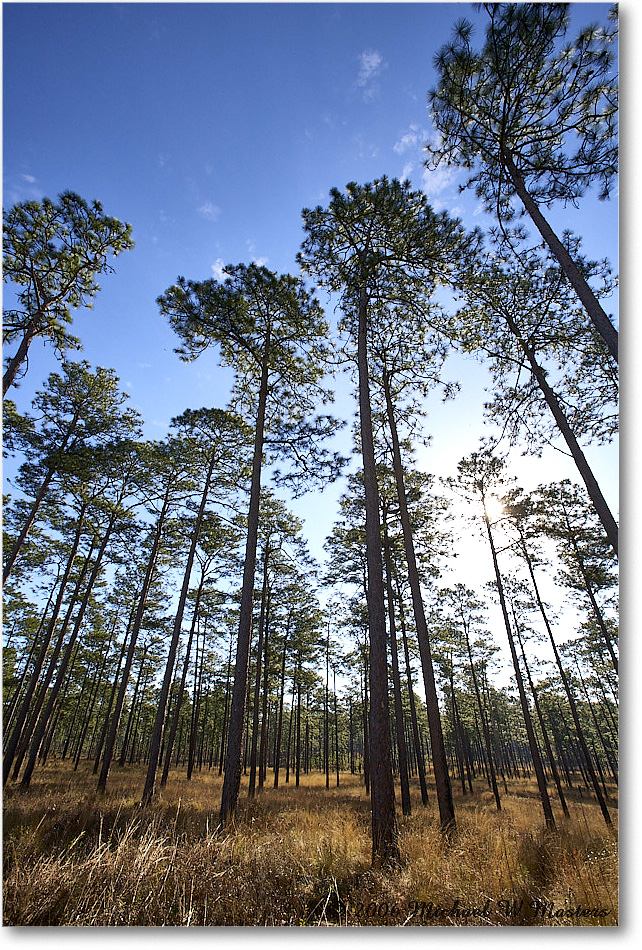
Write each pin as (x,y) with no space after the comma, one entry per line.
(22,187)
(370,61)
(251,249)
(370,66)
(434,181)
(218,269)
(209,211)
(415,137)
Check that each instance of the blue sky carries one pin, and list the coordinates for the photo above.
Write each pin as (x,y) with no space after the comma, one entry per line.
(209,127)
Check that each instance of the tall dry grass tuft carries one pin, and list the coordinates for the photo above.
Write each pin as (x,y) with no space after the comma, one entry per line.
(296,857)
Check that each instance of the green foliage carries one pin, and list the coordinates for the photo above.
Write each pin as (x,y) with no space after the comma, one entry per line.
(551,107)
(55,252)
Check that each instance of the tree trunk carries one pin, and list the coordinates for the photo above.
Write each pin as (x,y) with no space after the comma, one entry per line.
(42,491)
(257,679)
(599,502)
(535,756)
(112,695)
(122,758)
(148,790)
(196,704)
(264,709)
(279,728)
(234,756)
(482,716)
(15,362)
(595,312)
(566,684)
(140,610)
(169,745)
(419,753)
(227,706)
(440,763)
(396,683)
(62,670)
(21,717)
(385,846)
(540,717)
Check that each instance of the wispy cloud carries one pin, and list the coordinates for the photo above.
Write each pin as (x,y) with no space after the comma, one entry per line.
(434,182)
(209,211)
(22,187)
(414,138)
(437,180)
(218,269)
(371,65)
(251,249)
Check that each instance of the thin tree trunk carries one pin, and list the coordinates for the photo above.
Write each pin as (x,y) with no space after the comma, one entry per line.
(169,745)
(42,491)
(21,717)
(196,702)
(122,758)
(264,710)
(279,728)
(257,679)
(112,695)
(62,670)
(148,790)
(140,610)
(15,362)
(595,312)
(595,494)
(396,682)
(385,846)
(566,684)
(439,760)
(540,716)
(234,756)
(421,765)
(535,756)
(482,716)
(326,713)
(227,706)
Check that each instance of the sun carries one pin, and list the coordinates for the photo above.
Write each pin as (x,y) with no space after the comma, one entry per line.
(494,508)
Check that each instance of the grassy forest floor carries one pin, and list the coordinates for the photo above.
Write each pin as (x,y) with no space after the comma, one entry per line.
(296,856)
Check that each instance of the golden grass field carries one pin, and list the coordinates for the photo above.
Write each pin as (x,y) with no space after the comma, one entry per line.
(295,857)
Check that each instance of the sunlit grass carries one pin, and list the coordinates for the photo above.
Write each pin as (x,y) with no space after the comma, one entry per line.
(294,856)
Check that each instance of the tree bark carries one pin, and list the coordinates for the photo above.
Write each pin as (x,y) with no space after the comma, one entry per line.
(419,753)
(279,728)
(138,619)
(385,847)
(567,688)
(234,756)
(21,717)
(599,502)
(148,790)
(169,745)
(257,678)
(396,682)
(535,756)
(595,312)
(482,716)
(439,759)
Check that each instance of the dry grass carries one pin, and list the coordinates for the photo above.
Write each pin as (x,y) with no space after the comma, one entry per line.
(295,857)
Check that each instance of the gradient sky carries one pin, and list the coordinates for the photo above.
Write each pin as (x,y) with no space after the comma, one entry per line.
(209,126)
